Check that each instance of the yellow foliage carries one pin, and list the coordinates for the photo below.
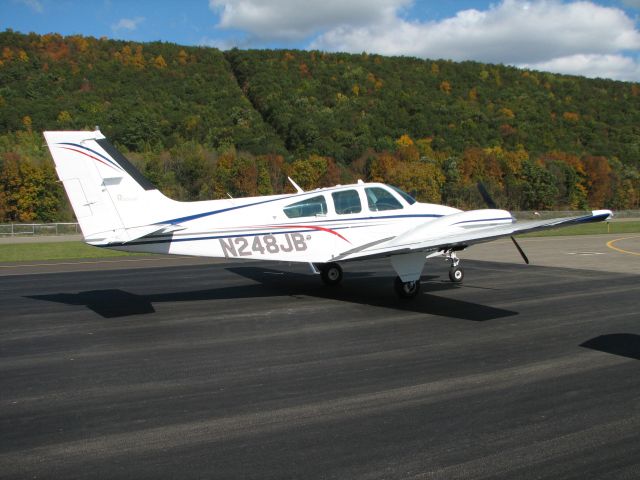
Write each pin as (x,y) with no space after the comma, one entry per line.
(159,62)
(138,59)
(128,57)
(356,90)
(22,56)
(7,54)
(182,57)
(424,180)
(382,168)
(64,117)
(126,53)
(507,112)
(571,116)
(308,172)
(445,87)
(404,141)
(81,43)
(26,122)
(435,69)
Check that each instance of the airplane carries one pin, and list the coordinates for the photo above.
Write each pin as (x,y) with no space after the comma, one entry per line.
(118,208)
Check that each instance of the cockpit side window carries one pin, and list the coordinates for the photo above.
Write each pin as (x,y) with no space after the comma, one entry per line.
(308,207)
(347,201)
(380,199)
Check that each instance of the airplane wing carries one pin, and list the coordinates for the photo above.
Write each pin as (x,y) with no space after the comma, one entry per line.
(437,236)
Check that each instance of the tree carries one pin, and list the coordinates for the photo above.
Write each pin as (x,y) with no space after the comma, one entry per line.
(28,193)
(159,62)
(539,190)
(598,180)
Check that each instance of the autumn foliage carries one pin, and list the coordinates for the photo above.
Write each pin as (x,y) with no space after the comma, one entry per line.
(201,123)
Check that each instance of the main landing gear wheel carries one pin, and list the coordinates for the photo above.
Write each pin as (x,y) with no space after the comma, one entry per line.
(331,273)
(456,274)
(406,289)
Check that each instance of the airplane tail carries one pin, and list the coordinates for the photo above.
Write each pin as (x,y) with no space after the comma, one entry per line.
(110,197)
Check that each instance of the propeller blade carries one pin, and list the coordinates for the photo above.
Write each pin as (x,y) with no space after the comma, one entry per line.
(491,204)
(522,254)
(485,196)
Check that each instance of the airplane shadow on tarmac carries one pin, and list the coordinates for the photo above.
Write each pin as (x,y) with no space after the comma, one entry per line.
(621,344)
(358,287)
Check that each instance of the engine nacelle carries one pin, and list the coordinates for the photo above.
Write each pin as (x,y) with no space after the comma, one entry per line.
(455,223)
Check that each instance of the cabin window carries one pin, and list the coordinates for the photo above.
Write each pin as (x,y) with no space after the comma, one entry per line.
(347,201)
(380,199)
(308,207)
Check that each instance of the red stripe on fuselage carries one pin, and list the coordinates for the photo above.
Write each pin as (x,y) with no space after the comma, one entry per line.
(311,227)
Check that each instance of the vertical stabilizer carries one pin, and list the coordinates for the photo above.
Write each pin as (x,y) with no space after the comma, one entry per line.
(109,196)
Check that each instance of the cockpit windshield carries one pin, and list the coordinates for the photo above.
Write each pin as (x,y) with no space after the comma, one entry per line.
(408,198)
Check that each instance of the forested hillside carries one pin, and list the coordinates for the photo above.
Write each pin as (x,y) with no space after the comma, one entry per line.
(200,123)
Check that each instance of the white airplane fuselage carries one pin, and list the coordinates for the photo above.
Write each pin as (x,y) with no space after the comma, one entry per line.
(268,228)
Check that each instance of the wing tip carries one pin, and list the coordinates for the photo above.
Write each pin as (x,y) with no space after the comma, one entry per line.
(606,214)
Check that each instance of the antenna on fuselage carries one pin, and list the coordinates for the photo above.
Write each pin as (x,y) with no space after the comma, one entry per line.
(295,185)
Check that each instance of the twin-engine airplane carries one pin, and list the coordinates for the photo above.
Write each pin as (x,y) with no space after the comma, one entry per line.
(118,208)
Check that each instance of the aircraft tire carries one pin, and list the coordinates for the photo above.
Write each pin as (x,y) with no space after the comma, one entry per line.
(406,289)
(331,273)
(456,274)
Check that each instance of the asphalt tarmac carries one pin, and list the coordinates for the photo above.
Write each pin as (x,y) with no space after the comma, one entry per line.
(202,370)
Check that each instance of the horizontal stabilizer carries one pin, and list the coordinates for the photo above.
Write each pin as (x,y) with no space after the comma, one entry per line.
(124,236)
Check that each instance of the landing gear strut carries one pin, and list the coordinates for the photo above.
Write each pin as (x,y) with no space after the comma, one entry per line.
(406,289)
(331,273)
(456,272)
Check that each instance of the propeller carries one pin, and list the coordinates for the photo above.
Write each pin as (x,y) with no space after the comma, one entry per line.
(491,204)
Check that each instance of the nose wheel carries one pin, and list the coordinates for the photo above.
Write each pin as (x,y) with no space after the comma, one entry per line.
(456,274)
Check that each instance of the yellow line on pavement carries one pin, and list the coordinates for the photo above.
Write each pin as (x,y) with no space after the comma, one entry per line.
(621,250)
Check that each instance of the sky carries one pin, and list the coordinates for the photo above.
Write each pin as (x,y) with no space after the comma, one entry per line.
(593,38)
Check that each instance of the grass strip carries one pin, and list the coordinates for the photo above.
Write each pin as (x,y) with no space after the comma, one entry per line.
(22,252)
(590,229)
